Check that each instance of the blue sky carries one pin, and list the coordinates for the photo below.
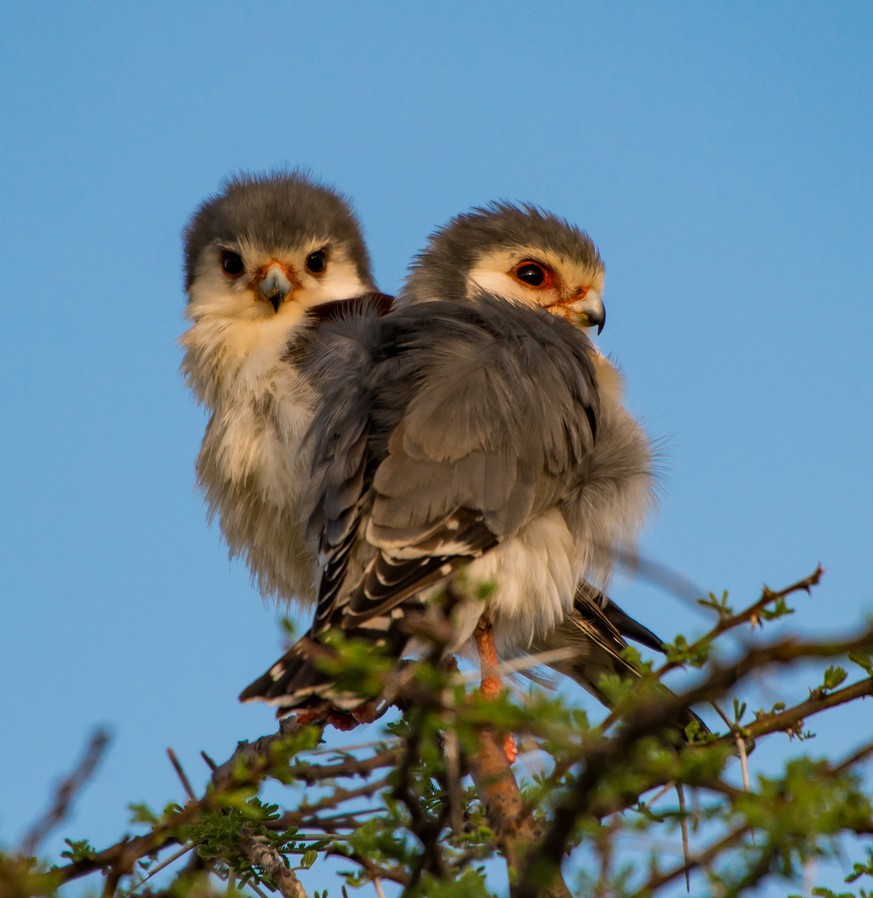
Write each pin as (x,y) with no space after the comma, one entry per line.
(719,155)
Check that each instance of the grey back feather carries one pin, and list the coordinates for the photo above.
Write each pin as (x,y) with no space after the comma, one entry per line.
(460,448)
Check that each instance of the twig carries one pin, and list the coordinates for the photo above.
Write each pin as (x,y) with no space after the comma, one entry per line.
(426,827)
(686,851)
(740,742)
(65,793)
(658,880)
(374,871)
(161,866)
(724,624)
(252,756)
(751,614)
(338,796)
(186,784)
(121,857)
(790,719)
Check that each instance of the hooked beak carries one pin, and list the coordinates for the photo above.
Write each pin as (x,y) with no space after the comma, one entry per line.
(589,310)
(275,285)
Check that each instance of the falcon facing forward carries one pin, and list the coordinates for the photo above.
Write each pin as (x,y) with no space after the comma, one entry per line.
(473,438)
(264,260)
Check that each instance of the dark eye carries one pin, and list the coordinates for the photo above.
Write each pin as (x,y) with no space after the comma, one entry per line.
(533,274)
(316,262)
(232,263)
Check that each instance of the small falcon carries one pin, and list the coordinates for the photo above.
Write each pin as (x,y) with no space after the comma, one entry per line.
(472,439)
(265,260)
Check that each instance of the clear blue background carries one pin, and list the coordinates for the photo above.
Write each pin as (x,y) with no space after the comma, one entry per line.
(720,156)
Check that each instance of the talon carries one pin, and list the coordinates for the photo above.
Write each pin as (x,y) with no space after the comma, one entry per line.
(342,720)
(365,713)
(510,749)
(307,716)
(338,718)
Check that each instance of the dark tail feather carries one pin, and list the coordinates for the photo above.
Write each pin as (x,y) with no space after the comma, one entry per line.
(294,682)
(596,630)
(632,629)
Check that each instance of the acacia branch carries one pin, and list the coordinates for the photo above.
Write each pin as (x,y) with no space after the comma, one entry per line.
(120,858)
(790,720)
(261,854)
(750,614)
(767,853)
(645,721)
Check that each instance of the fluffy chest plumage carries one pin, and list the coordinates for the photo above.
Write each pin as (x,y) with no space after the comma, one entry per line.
(252,468)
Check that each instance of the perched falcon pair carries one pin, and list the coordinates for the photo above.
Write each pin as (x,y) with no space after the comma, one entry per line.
(371,458)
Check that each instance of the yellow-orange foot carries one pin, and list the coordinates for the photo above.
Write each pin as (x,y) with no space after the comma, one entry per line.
(491,685)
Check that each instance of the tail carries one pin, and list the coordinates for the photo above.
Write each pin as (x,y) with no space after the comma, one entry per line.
(295,681)
(596,630)
(330,670)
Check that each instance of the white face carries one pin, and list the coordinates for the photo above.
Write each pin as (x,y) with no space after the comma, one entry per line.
(532,276)
(233,281)
(245,303)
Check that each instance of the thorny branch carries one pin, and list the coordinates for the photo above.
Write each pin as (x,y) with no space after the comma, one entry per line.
(533,850)
(659,879)
(751,614)
(582,797)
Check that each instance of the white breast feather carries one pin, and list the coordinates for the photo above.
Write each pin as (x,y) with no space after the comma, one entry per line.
(251,467)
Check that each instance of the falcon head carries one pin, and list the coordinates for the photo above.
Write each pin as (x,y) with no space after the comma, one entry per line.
(257,256)
(522,253)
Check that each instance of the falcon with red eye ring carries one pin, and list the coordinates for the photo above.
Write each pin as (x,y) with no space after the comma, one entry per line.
(534,274)
(232,264)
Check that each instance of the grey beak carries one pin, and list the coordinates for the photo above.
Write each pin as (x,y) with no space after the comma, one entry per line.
(275,286)
(590,310)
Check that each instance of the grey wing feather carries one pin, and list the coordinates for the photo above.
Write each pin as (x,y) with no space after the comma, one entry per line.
(478,451)
(338,360)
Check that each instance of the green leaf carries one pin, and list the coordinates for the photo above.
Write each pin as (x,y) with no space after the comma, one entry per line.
(833,677)
(864,660)
(140,812)
(80,850)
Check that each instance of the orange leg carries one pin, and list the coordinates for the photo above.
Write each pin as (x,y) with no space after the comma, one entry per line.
(491,684)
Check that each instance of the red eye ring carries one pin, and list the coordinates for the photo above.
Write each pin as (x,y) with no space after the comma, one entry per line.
(534,274)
